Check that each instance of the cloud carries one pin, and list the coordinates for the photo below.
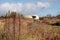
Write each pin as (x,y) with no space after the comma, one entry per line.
(12,7)
(30,6)
(20,7)
(42,5)
(52,1)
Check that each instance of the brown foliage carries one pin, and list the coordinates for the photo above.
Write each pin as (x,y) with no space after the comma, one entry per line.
(28,29)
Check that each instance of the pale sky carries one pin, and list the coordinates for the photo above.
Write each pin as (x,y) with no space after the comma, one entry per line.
(31,7)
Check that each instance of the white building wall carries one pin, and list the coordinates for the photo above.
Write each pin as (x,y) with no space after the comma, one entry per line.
(37,17)
(29,16)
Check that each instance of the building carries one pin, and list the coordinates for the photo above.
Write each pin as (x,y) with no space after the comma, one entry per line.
(33,16)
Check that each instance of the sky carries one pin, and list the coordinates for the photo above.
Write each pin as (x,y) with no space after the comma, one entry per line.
(31,7)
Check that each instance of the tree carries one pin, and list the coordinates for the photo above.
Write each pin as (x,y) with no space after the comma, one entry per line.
(13,14)
(58,16)
(48,15)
